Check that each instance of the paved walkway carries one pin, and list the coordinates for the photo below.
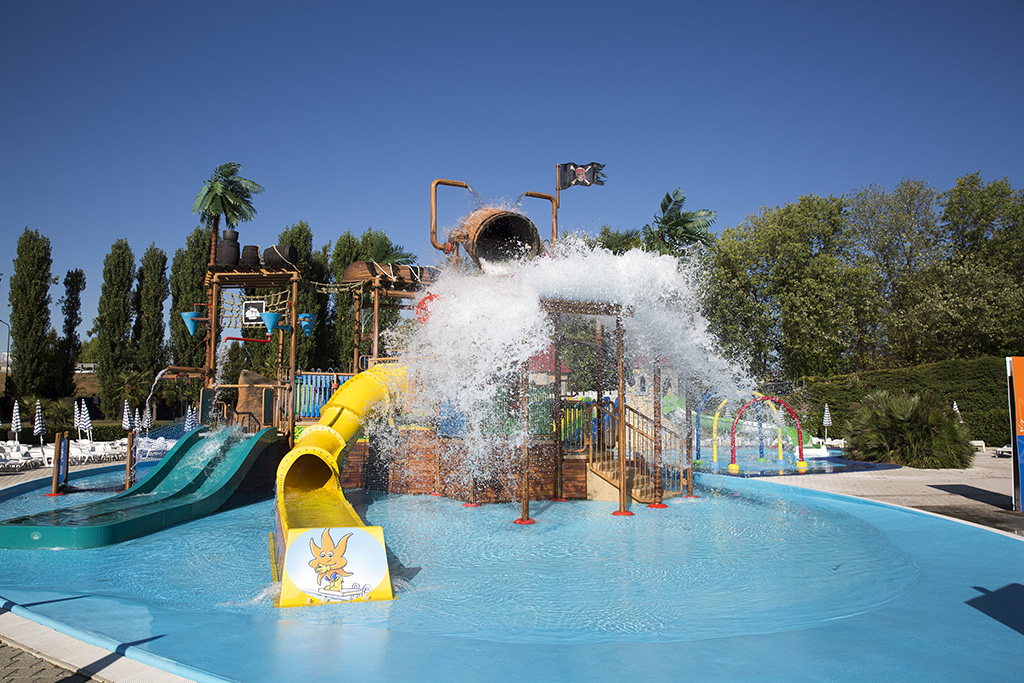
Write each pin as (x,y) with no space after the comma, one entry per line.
(982,494)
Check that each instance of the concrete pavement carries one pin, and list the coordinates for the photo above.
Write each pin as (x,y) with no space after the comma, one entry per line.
(982,494)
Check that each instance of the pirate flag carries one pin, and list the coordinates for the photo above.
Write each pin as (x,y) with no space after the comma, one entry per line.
(573,174)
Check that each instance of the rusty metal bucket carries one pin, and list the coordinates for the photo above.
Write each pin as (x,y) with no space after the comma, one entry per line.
(497,235)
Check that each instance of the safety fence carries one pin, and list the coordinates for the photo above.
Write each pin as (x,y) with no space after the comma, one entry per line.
(314,389)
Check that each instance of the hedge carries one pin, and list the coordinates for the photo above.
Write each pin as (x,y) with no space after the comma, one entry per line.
(978,386)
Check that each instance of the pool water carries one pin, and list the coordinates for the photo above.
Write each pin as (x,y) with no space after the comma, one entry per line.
(719,565)
(737,564)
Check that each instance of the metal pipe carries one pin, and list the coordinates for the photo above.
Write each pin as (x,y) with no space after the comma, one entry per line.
(446,247)
(554,211)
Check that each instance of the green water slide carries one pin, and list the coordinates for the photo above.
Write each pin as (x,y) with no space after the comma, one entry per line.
(194,479)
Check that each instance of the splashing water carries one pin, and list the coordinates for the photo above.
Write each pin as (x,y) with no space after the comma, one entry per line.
(484,327)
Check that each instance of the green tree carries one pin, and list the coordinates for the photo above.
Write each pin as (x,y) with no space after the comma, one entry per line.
(616,241)
(898,237)
(69,345)
(674,230)
(966,303)
(376,246)
(311,352)
(150,294)
(113,324)
(188,287)
(346,251)
(784,291)
(29,297)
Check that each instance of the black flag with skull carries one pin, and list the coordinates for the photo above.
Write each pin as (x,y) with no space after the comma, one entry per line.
(575,174)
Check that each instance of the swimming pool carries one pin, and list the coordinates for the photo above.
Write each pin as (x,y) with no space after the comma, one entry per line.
(751,579)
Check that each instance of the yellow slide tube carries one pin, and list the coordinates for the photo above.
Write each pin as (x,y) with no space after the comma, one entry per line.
(312,505)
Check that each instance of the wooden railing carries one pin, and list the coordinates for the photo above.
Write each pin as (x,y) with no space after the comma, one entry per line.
(657,463)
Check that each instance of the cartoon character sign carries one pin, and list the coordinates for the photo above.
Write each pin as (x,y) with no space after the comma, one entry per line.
(329,560)
(339,564)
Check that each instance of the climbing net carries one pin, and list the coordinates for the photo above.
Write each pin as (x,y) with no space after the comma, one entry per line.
(237,310)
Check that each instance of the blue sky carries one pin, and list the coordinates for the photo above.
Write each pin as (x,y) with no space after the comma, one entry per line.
(114,113)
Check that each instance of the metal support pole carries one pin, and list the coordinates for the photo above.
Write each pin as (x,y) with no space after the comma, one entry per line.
(620,350)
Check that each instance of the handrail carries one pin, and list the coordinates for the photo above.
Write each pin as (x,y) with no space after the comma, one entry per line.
(648,464)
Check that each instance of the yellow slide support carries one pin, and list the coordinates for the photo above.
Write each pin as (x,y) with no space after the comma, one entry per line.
(321,550)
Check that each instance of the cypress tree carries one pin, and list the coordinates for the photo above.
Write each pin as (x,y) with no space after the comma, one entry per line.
(188,287)
(113,325)
(29,297)
(346,250)
(150,293)
(69,345)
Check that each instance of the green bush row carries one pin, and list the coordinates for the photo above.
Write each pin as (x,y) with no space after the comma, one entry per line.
(978,386)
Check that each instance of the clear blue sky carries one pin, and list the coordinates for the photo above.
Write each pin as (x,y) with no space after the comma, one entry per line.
(115,112)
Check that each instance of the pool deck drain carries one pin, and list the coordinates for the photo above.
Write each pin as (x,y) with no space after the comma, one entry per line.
(981,494)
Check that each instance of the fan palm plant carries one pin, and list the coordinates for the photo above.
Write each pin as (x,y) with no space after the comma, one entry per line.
(912,431)
(675,229)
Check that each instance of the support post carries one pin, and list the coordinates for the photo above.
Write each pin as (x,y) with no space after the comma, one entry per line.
(211,335)
(356,340)
(58,465)
(375,348)
(557,416)
(292,360)
(524,411)
(620,349)
(659,483)
(129,462)
(689,443)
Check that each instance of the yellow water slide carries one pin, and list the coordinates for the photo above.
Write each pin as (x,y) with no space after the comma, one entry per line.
(321,550)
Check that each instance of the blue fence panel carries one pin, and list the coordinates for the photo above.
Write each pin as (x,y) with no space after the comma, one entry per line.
(314,390)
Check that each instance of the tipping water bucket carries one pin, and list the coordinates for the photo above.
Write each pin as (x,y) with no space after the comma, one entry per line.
(497,235)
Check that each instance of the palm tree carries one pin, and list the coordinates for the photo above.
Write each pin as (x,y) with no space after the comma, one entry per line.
(226,194)
(675,229)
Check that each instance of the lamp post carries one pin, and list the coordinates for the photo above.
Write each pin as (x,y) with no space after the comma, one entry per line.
(7,355)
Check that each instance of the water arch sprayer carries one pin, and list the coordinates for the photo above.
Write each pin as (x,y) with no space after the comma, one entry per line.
(801,465)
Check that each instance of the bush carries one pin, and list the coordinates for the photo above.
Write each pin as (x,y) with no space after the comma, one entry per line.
(912,431)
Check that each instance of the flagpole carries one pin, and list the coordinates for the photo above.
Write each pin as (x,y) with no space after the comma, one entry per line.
(558,189)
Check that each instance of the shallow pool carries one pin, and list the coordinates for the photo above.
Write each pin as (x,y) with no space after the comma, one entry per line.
(478,596)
